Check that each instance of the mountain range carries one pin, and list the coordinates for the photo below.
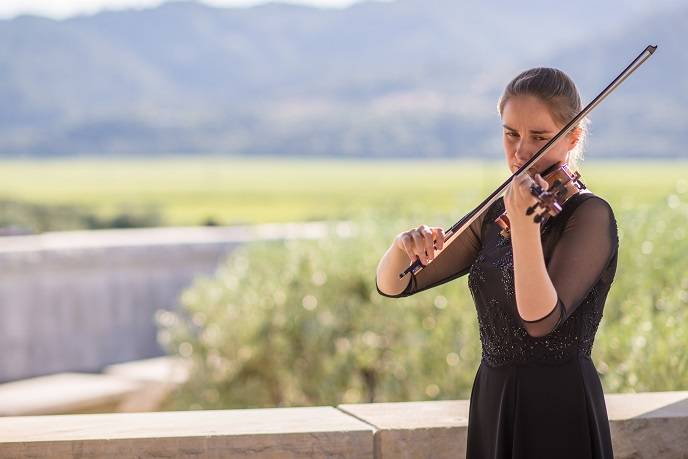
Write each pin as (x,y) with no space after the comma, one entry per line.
(404,78)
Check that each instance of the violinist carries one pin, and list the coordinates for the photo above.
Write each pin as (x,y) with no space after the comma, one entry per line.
(539,293)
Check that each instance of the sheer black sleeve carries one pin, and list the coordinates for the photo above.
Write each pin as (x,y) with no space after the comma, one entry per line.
(579,259)
(454,261)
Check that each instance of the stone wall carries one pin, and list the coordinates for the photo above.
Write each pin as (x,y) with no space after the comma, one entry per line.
(78,301)
(646,425)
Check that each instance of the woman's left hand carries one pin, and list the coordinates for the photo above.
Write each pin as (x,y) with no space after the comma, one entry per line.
(518,198)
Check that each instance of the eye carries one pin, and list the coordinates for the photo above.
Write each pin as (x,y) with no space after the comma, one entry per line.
(510,134)
(539,138)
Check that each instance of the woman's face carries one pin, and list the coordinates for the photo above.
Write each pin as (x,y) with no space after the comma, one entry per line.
(528,126)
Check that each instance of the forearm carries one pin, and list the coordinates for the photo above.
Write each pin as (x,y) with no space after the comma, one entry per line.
(535,293)
(391,264)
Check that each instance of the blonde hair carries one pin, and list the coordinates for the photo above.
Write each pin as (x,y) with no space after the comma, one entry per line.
(558,91)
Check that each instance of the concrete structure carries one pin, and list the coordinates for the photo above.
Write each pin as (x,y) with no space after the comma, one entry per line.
(82,300)
(64,393)
(141,385)
(649,425)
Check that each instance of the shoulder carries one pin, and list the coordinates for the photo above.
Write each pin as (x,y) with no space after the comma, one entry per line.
(592,212)
(589,203)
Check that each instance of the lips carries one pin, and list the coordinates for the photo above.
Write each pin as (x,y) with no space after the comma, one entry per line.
(531,171)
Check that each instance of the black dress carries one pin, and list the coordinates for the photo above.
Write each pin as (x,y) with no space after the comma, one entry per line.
(536,393)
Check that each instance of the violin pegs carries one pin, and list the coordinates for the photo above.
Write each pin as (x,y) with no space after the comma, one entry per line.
(538,218)
(536,190)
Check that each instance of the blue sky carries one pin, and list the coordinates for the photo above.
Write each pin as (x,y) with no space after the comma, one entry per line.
(59,9)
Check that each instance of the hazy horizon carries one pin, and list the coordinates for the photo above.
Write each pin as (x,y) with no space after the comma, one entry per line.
(63,9)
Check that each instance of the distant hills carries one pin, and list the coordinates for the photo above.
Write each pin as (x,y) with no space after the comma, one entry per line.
(408,78)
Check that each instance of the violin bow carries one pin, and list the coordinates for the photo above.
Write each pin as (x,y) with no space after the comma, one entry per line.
(460,226)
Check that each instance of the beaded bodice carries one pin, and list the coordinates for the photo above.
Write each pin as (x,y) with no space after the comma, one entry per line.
(504,338)
(579,246)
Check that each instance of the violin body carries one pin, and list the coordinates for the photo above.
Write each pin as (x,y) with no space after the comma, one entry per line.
(563,185)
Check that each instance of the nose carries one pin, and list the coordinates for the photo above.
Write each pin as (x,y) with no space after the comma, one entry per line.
(522,154)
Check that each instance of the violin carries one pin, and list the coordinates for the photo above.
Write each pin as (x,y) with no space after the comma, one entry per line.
(552,200)
(563,185)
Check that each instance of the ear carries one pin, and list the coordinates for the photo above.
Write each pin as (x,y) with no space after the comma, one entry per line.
(574,136)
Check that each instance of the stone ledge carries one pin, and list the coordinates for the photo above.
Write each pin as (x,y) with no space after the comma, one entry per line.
(416,429)
(645,425)
(140,385)
(165,369)
(64,393)
(256,433)
(158,377)
(650,424)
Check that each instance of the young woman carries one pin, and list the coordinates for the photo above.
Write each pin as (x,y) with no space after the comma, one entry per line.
(539,294)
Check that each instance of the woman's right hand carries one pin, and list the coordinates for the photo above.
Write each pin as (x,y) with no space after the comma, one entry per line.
(421,243)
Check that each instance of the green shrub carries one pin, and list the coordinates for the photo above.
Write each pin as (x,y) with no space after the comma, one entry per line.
(641,345)
(300,322)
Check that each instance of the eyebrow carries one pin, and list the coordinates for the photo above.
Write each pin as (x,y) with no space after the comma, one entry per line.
(532,131)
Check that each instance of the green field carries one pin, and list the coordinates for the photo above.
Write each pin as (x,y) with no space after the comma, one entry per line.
(190,191)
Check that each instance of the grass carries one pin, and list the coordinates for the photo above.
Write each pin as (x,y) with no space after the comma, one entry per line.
(230,190)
